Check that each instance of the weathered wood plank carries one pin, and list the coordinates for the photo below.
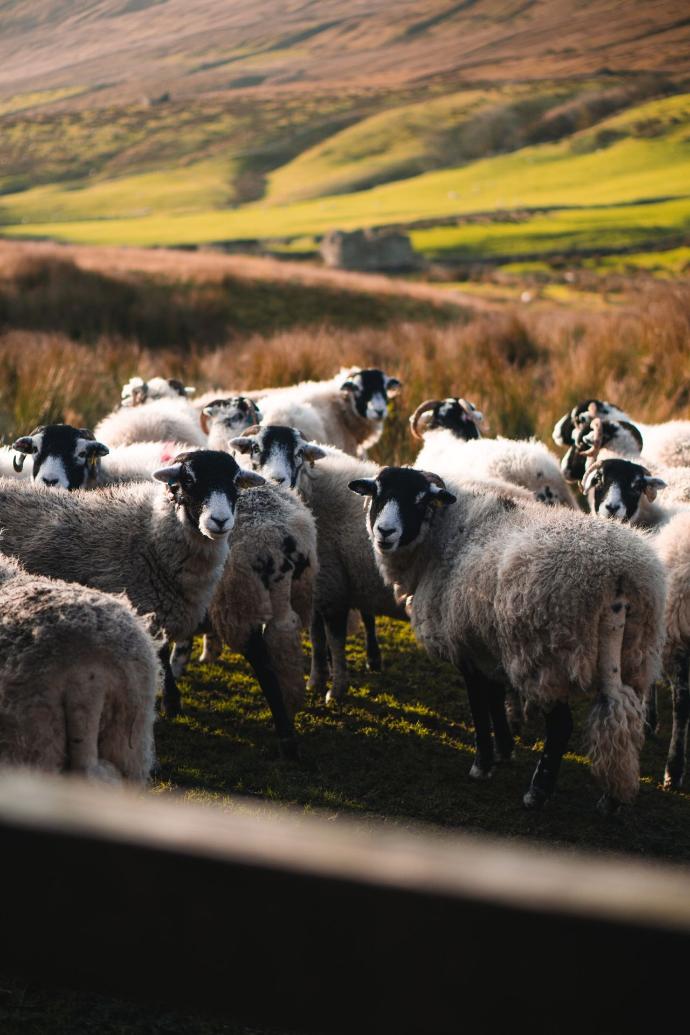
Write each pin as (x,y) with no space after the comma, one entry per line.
(312,925)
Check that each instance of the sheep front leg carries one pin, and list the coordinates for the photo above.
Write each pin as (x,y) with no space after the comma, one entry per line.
(373,650)
(256,653)
(336,634)
(318,677)
(675,763)
(559,726)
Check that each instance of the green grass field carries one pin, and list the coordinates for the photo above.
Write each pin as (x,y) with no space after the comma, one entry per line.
(624,183)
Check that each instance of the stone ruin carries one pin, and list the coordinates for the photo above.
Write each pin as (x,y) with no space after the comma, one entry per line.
(373,250)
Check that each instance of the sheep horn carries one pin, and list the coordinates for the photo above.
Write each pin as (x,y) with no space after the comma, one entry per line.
(424,407)
(435,479)
(598,440)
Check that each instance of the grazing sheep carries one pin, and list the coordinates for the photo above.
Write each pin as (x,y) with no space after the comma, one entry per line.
(164,420)
(137,391)
(550,600)
(165,549)
(348,411)
(78,679)
(348,577)
(451,449)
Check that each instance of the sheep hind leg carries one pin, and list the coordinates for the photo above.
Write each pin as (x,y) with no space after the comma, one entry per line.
(503,734)
(483,764)
(373,649)
(319,673)
(172,702)
(559,726)
(336,634)
(83,707)
(651,719)
(256,653)
(675,763)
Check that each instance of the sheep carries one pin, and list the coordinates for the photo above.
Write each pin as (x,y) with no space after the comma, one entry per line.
(267,584)
(666,444)
(165,420)
(550,600)
(625,492)
(137,391)
(165,549)
(79,674)
(348,577)
(450,447)
(348,411)
(221,419)
(273,555)
(65,457)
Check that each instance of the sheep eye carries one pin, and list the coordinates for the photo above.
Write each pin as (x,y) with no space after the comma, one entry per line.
(82,455)
(299,454)
(34,449)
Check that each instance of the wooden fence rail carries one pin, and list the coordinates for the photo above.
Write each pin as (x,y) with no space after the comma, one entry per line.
(311,925)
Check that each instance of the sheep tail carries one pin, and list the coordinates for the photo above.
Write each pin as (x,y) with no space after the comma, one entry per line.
(616,721)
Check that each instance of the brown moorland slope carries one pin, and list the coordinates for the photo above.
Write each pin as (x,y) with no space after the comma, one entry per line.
(123,48)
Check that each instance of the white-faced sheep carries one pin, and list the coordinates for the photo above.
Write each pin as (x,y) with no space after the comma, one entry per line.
(348,577)
(550,600)
(78,679)
(451,446)
(165,548)
(222,419)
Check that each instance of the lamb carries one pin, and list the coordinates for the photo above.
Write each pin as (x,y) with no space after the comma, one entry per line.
(550,600)
(348,577)
(164,420)
(452,448)
(78,679)
(665,445)
(165,549)
(348,411)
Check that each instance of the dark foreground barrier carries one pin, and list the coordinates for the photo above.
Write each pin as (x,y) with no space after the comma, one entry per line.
(310,925)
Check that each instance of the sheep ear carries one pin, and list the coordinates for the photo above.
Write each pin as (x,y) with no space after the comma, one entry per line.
(651,486)
(441,497)
(313,452)
(95,449)
(242,444)
(393,386)
(25,444)
(587,480)
(348,386)
(168,474)
(248,479)
(563,431)
(363,486)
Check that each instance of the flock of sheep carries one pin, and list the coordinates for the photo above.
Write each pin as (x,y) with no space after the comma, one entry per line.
(185,515)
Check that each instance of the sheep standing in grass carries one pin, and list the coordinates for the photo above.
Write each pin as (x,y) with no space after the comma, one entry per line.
(165,549)
(78,679)
(552,602)
(348,577)
(625,492)
(452,446)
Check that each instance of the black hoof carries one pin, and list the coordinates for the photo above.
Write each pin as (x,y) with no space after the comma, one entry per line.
(481,772)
